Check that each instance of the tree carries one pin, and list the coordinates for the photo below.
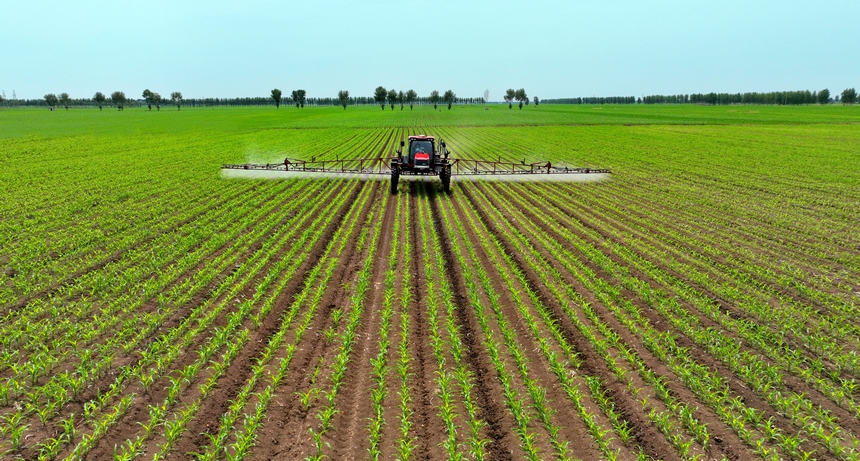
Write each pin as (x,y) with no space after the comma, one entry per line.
(401,98)
(149,96)
(276,95)
(434,98)
(176,99)
(118,98)
(521,96)
(824,96)
(2,98)
(509,96)
(537,101)
(379,96)
(65,99)
(343,96)
(411,95)
(849,95)
(99,99)
(392,97)
(300,98)
(51,100)
(449,97)
(156,98)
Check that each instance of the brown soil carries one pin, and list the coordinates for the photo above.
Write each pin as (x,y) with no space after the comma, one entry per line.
(544,221)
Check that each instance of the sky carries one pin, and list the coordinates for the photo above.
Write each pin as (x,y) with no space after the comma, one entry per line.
(551,48)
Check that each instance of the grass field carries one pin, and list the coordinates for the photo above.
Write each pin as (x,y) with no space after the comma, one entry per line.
(700,304)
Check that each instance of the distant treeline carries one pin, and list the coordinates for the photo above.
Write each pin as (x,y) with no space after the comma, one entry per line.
(43,103)
(592,100)
(848,96)
(774,97)
(353,101)
(231,102)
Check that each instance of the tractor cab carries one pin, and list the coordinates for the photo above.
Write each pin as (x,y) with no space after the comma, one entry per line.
(421,155)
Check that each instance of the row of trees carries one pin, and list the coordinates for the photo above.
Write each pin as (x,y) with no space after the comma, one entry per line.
(299,97)
(594,100)
(231,102)
(153,98)
(381,96)
(848,96)
(520,96)
(117,98)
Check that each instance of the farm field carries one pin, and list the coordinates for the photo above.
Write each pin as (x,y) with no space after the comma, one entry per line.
(700,304)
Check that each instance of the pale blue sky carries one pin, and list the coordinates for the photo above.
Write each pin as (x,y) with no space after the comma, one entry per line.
(552,48)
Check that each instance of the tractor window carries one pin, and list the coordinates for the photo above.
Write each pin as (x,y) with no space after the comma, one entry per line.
(421,146)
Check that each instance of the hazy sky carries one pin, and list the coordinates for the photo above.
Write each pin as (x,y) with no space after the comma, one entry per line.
(551,48)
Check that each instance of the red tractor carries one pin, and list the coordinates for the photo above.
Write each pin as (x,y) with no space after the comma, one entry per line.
(423,157)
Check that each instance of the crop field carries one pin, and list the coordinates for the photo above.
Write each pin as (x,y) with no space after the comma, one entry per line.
(702,303)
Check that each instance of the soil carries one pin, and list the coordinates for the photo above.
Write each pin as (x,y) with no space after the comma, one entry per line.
(529,227)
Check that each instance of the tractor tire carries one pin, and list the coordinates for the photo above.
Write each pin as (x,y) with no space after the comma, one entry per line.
(395,178)
(445,176)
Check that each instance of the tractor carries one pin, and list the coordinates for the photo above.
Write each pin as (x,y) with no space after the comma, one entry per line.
(423,157)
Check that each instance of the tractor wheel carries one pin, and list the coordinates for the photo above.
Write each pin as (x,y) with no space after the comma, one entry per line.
(395,177)
(445,176)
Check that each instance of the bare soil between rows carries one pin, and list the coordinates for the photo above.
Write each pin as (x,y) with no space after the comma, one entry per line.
(287,428)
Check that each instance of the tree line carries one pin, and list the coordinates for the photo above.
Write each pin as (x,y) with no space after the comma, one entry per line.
(385,97)
(381,97)
(117,99)
(152,99)
(848,96)
(593,100)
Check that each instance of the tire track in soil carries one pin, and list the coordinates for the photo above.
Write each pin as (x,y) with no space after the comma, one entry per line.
(500,429)
(391,405)
(351,424)
(286,420)
(647,436)
(218,402)
(729,441)
(792,382)
(429,431)
(571,428)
